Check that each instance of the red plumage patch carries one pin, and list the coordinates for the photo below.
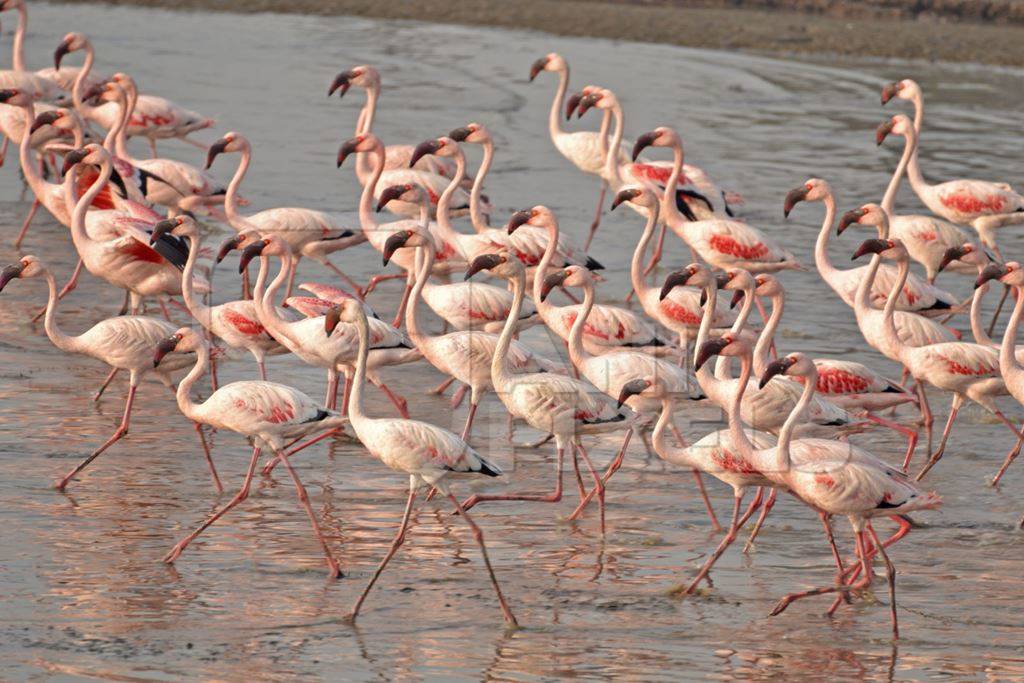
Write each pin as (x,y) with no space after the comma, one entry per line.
(727,245)
(836,381)
(141,252)
(243,324)
(968,203)
(679,313)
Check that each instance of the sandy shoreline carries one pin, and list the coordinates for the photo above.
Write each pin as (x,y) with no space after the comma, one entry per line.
(755,30)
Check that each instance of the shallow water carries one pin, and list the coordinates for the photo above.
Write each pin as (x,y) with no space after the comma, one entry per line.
(82,589)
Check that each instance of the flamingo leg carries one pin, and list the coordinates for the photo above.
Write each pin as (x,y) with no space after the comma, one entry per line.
(344,278)
(554,497)
(999,309)
(613,467)
(28,221)
(376,280)
(442,387)
(242,494)
(911,435)
(597,215)
(269,467)
(958,400)
(598,484)
(263,369)
(397,322)
(478,534)
(469,421)
(926,412)
(890,575)
(209,457)
(1010,457)
(117,435)
(395,545)
(579,477)
(459,394)
(68,287)
(106,383)
(864,582)
(152,147)
(707,501)
(398,401)
(333,569)
(831,538)
(769,503)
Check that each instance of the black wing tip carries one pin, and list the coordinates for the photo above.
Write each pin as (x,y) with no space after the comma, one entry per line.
(594,264)
(488,469)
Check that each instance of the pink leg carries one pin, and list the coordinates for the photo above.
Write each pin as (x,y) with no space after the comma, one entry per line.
(890,575)
(926,412)
(269,467)
(28,221)
(479,536)
(106,383)
(730,536)
(1010,457)
(460,394)
(598,484)
(554,497)
(353,285)
(612,469)
(152,147)
(163,309)
(400,314)
(333,569)
(121,431)
(658,250)
(395,545)
(263,369)
(769,503)
(911,435)
(579,477)
(331,397)
(469,422)
(864,582)
(242,494)
(707,501)
(953,410)
(442,387)
(398,401)
(376,280)
(214,380)
(597,215)
(209,458)
(69,287)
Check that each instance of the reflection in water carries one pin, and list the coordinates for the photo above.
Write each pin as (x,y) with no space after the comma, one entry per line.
(85,595)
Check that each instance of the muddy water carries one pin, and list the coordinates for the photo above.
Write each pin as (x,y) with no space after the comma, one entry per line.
(84,595)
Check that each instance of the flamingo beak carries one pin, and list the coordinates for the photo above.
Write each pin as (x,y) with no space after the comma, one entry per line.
(388,194)
(249,253)
(215,149)
(47,118)
(675,279)
(482,262)
(776,367)
(72,159)
(460,134)
(883,130)
(952,254)
(11,272)
(737,297)
(889,91)
(342,82)
(422,150)
(586,103)
(228,246)
(163,348)
(625,196)
(537,67)
(571,103)
(708,349)
(849,218)
(7,93)
(643,142)
(518,219)
(630,389)
(794,197)
(992,271)
(394,243)
(347,147)
(58,55)
(162,228)
(551,281)
(872,246)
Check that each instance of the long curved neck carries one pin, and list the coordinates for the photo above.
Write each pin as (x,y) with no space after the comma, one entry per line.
(668,200)
(366,217)
(121,139)
(78,233)
(425,262)
(190,408)
(723,364)
(231,196)
(821,258)
(28,167)
(1013,371)
(475,210)
(576,352)
(909,152)
(764,342)
(889,334)
(110,141)
(862,297)
(444,220)
(264,297)
(739,435)
(978,330)
(796,416)
(500,371)
(79,85)
(555,115)
(705,378)
(611,159)
(659,439)
(196,305)
(545,307)
(18,53)
(636,265)
(365,125)
(59,339)
(356,410)
(914,175)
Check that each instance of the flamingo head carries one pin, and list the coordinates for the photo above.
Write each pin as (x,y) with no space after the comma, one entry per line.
(965,253)
(814,190)
(907,89)
(635,194)
(443,146)
(364,142)
(108,91)
(729,344)
(185,340)
(92,154)
(868,214)
(693,275)
(662,136)
(182,226)
(501,264)
(348,311)
(794,365)
(539,216)
(552,61)
(16,97)
(126,82)
(899,124)
(28,266)
(267,246)
(738,281)
(639,386)
(239,242)
(11,4)
(363,76)
(402,239)
(474,133)
(231,142)
(1009,273)
(72,42)
(593,96)
(58,118)
(405,192)
(767,285)
(570,276)
(888,248)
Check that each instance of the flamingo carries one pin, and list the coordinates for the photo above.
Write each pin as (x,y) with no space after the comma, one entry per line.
(958,201)
(427,453)
(964,369)
(562,406)
(266,413)
(42,84)
(611,372)
(610,327)
(124,343)
(723,243)
(308,233)
(832,477)
(152,117)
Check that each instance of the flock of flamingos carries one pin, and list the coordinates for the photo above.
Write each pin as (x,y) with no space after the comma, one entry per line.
(790,417)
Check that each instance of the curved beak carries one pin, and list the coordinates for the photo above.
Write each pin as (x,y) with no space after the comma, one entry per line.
(94,92)
(517,219)
(460,134)
(215,149)
(249,253)
(331,320)
(737,297)
(794,197)
(58,55)
(537,67)
(883,130)
(423,149)
(7,93)
(551,281)
(11,272)
(388,194)
(394,243)
(952,254)
(708,349)
(482,262)
(571,103)
(342,81)
(163,348)
(776,367)
(630,389)
(889,91)
(625,196)
(586,103)
(643,142)
(347,147)
(72,159)
(44,119)
(848,219)
(228,246)
(162,228)
(992,271)
(675,279)
(872,246)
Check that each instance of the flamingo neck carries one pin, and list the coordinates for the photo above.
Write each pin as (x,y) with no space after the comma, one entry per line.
(723,364)
(659,439)
(366,217)
(501,373)
(196,305)
(236,220)
(668,200)
(264,297)
(79,85)
(423,265)
(78,234)
(60,340)
(365,125)
(889,335)
(18,52)
(110,141)
(739,435)
(121,140)
(444,221)
(705,378)
(909,152)
(821,258)
(764,342)
(545,308)
(918,101)
(862,297)
(636,265)
(183,394)
(796,416)
(356,410)
(577,354)
(475,210)
(981,335)
(1011,368)
(555,115)
(611,159)
(30,169)
(921,186)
